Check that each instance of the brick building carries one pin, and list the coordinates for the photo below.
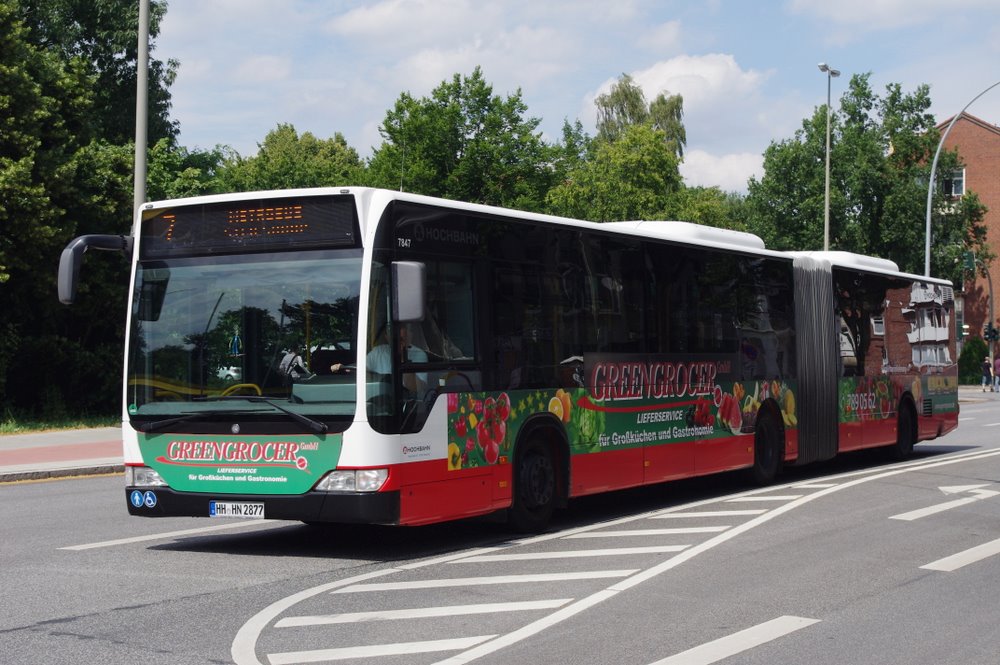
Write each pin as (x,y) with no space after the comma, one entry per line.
(978,144)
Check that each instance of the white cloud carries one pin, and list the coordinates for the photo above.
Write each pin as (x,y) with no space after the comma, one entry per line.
(729,173)
(871,15)
(661,38)
(263,69)
(724,110)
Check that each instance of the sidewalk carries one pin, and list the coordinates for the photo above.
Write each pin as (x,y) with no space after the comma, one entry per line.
(85,452)
(60,453)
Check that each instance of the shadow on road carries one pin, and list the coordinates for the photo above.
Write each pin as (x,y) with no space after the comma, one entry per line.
(387,544)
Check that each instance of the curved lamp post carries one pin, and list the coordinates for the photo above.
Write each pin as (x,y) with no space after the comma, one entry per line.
(930,183)
(830,74)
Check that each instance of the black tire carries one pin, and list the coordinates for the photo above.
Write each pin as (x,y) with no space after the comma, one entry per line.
(768,449)
(534,488)
(906,433)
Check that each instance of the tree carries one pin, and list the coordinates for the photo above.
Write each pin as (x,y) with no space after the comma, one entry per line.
(465,143)
(42,109)
(630,178)
(288,160)
(101,35)
(625,105)
(709,206)
(176,172)
(880,156)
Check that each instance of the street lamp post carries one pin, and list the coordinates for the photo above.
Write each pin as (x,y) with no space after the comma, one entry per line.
(930,180)
(830,74)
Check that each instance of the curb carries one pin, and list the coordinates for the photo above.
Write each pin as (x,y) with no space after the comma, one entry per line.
(53,474)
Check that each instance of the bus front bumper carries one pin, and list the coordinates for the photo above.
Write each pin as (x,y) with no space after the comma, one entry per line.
(332,507)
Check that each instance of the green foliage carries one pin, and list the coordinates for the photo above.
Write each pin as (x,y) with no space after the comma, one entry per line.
(707,205)
(971,361)
(631,178)
(465,143)
(102,36)
(881,148)
(625,105)
(176,172)
(288,160)
(43,103)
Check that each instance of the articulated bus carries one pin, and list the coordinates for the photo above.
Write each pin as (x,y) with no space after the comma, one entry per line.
(360,355)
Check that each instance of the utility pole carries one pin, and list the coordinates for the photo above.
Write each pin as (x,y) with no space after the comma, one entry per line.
(141,112)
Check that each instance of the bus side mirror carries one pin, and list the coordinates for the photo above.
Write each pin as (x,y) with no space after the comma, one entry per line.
(72,257)
(408,291)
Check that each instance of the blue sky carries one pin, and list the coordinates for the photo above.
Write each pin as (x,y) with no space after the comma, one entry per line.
(747,69)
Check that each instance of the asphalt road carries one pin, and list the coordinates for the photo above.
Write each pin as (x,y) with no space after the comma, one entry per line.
(856,561)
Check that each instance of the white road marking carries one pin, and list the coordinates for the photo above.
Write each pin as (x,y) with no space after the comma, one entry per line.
(483,581)
(814,486)
(724,647)
(244,646)
(771,497)
(956,561)
(992,425)
(587,602)
(573,554)
(400,649)
(980,494)
(711,513)
(167,535)
(649,532)
(422,613)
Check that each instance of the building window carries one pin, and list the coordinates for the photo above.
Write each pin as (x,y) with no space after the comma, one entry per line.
(954,183)
(878,326)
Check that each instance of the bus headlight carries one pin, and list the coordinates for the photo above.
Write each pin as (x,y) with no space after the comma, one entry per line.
(353,480)
(143,476)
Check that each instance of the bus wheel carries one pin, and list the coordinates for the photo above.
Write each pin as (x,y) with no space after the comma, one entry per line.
(534,488)
(768,449)
(906,433)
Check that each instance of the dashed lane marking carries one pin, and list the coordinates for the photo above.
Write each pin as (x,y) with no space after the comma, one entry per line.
(724,647)
(962,559)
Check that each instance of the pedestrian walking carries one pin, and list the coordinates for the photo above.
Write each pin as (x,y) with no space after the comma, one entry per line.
(987,374)
(996,374)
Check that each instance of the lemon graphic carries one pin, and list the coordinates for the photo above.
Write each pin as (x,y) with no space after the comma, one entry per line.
(556,407)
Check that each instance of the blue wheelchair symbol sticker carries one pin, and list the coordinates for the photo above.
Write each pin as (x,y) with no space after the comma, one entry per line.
(149,499)
(136,498)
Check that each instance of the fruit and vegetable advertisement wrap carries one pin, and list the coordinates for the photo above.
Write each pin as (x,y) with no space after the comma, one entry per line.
(625,401)
(873,398)
(241,464)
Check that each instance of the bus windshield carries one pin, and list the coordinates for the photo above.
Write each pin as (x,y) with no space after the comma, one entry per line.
(258,334)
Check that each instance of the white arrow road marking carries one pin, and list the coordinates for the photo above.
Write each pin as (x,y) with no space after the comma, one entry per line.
(724,647)
(979,495)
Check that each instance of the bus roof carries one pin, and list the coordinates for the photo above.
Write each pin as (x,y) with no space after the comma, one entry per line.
(677,231)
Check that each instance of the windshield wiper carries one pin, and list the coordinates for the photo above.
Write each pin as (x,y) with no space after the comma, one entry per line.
(157,425)
(314,425)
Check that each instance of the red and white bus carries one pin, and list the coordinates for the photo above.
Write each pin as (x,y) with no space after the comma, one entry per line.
(360,355)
